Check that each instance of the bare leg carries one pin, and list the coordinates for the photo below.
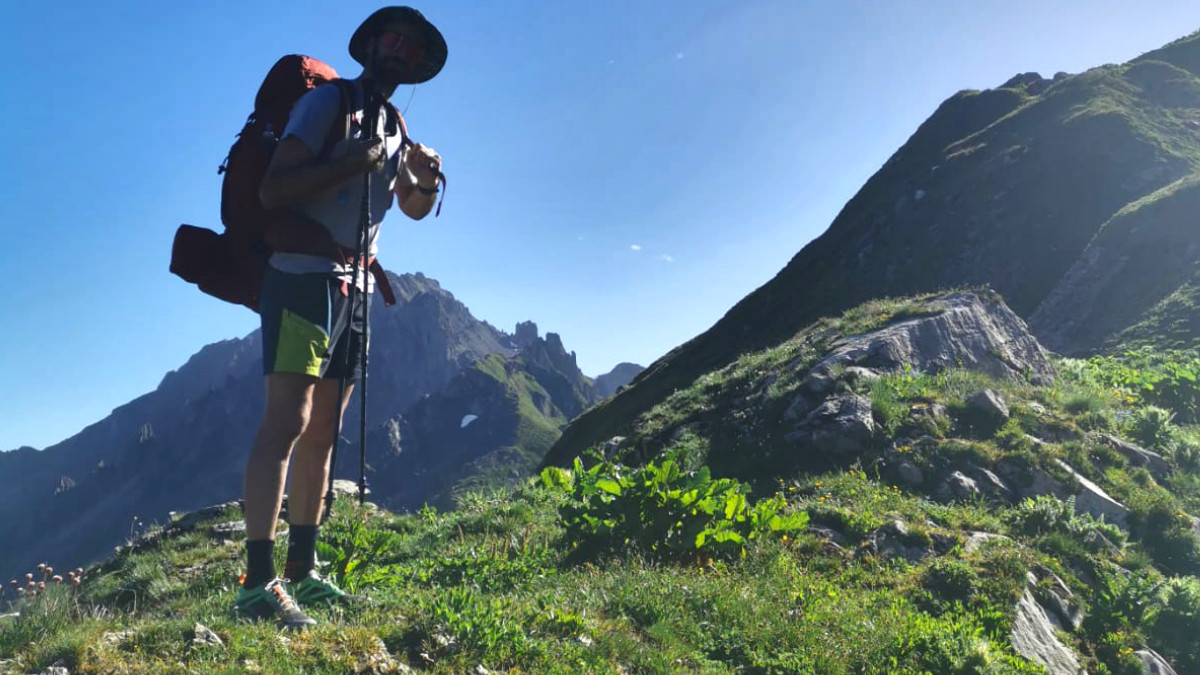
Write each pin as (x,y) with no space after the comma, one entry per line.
(310,468)
(289,409)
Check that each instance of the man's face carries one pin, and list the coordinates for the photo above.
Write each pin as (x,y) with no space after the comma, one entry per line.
(396,51)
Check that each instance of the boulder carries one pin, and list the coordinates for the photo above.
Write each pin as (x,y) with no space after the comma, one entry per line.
(894,540)
(1138,456)
(1093,500)
(978,540)
(841,426)
(203,636)
(989,404)
(988,482)
(957,486)
(1152,663)
(1061,605)
(906,471)
(859,375)
(1033,637)
(964,330)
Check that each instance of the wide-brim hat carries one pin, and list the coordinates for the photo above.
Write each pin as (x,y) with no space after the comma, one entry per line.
(434,43)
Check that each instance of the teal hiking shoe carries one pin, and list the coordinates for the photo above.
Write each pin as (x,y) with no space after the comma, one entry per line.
(271,601)
(313,589)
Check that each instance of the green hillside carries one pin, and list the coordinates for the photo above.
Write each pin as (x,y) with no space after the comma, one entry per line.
(876,559)
(1008,187)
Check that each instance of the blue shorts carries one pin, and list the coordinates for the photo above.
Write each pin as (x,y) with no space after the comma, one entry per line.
(306,327)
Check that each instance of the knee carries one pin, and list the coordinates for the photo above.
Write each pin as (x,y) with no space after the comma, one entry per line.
(320,430)
(286,428)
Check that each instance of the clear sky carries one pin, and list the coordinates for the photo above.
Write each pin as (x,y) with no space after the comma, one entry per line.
(621,172)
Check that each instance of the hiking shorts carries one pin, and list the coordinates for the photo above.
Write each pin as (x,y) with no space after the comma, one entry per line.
(306,327)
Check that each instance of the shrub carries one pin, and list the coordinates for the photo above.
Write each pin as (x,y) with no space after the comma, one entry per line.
(1176,629)
(1122,601)
(664,510)
(1047,515)
(1165,531)
(1152,426)
(1167,378)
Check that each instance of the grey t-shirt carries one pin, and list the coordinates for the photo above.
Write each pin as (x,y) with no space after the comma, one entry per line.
(338,208)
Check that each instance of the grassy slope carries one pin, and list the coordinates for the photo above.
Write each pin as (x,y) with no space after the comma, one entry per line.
(499,583)
(998,170)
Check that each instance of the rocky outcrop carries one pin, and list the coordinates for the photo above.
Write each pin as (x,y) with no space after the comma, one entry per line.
(1152,663)
(1033,637)
(841,426)
(1138,456)
(969,330)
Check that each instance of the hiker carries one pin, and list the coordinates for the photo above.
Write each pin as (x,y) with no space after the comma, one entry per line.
(304,302)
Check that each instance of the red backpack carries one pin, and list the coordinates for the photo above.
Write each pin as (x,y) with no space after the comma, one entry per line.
(231,265)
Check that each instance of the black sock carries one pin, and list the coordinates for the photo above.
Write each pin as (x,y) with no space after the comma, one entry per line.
(260,562)
(302,551)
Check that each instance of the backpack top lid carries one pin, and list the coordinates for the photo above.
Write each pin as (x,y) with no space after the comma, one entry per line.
(290,78)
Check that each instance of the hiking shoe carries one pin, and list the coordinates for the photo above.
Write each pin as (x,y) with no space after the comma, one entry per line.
(271,600)
(313,588)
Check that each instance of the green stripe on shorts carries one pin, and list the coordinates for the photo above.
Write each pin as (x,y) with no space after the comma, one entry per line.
(301,345)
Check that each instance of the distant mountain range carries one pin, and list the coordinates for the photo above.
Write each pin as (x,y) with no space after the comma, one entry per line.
(454,401)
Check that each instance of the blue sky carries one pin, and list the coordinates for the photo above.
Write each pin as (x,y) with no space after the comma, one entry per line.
(621,172)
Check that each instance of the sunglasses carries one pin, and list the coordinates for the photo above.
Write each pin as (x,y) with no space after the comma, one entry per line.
(406,48)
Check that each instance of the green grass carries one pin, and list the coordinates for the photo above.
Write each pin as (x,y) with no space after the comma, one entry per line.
(510,579)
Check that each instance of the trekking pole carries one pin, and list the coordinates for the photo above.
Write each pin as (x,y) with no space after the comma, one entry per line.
(371,119)
(357,266)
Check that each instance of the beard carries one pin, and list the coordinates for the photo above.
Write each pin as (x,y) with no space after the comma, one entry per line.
(391,71)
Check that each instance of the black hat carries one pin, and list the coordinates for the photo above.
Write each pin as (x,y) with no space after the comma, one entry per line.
(435,44)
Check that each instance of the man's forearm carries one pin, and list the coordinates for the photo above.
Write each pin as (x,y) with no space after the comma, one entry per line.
(414,203)
(288,185)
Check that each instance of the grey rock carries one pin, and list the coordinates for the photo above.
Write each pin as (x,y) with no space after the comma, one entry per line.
(202,636)
(1152,663)
(859,375)
(988,482)
(117,638)
(612,445)
(1033,637)
(958,486)
(978,540)
(1092,499)
(186,521)
(829,534)
(57,669)
(907,472)
(989,404)
(223,530)
(798,409)
(817,383)
(971,331)
(1060,602)
(377,660)
(893,541)
(840,426)
(1138,456)
(1098,543)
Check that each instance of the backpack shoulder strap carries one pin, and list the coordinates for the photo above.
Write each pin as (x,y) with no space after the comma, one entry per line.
(339,130)
(395,124)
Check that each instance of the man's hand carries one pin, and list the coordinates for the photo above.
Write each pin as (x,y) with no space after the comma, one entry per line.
(424,164)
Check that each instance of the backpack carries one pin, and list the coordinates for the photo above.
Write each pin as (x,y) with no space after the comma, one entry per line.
(231,265)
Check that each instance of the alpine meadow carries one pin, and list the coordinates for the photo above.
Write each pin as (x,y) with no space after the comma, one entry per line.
(958,433)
